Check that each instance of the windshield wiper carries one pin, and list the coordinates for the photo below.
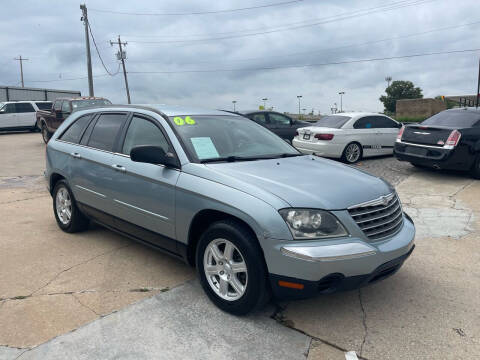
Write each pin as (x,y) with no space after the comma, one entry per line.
(248,158)
(225,158)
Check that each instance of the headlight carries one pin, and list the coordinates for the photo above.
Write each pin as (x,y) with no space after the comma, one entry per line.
(312,224)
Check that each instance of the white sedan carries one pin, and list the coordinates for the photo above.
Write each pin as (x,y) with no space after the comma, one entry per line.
(348,136)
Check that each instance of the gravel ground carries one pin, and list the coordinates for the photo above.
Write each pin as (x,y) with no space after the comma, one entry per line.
(387,167)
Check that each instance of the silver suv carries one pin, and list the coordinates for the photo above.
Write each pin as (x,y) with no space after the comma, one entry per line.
(255,216)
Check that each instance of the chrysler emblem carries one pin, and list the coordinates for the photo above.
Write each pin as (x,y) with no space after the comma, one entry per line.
(384,200)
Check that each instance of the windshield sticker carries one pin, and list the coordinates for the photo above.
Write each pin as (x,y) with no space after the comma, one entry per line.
(181,121)
(204,148)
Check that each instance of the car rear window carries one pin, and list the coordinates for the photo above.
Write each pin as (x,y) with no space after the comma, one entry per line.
(44,105)
(75,131)
(82,104)
(332,121)
(458,119)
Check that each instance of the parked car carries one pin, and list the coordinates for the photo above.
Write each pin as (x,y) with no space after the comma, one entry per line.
(348,136)
(20,115)
(49,120)
(227,195)
(447,140)
(281,124)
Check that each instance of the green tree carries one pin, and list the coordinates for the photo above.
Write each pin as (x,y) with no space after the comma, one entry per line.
(398,90)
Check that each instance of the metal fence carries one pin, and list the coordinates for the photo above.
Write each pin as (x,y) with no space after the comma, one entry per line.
(14,93)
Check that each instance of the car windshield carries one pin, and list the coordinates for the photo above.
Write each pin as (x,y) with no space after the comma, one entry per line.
(78,104)
(44,105)
(332,121)
(458,119)
(229,138)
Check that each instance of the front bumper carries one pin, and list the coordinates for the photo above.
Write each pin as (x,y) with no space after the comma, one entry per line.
(303,269)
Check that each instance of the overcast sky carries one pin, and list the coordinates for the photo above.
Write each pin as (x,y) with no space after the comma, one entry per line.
(51,35)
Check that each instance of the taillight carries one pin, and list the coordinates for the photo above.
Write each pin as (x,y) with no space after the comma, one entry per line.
(453,139)
(400,133)
(323,136)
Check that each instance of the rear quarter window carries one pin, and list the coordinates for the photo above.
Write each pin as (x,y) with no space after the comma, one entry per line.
(44,105)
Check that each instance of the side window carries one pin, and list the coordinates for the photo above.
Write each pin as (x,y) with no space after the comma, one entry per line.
(366,122)
(277,119)
(143,132)
(57,105)
(259,118)
(74,132)
(66,107)
(384,122)
(9,109)
(24,107)
(105,131)
(44,105)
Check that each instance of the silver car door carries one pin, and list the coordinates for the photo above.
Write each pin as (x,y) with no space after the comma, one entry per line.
(92,174)
(144,194)
(387,134)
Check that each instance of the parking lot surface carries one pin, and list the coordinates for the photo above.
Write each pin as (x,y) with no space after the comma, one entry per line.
(126,301)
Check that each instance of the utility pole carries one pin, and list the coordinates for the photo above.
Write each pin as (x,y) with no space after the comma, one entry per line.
(388,79)
(122,55)
(84,18)
(341,93)
(478,85)
(234,102)
(264,103)
(299,97)
(21,60)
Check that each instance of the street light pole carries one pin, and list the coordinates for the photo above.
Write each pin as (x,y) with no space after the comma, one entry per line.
(87,45)
(341,93)
(299,97)
(234,102)
(388,79)
(264,103)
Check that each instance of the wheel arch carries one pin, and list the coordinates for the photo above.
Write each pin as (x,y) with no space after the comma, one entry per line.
(202,220)
(54,179)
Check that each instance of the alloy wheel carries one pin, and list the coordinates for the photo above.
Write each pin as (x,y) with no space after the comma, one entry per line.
(63,205)
(352,153)
(225,269)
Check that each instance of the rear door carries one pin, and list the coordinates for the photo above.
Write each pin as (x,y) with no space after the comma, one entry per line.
(25,114)
(144,194)
(366,134)
(92,173)
(387,131)
(8,116)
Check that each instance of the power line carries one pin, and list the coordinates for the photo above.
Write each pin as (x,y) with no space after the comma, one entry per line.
(395,3)
(296,27)
(99,56)
(338,47)
(67,79)
(197,12)
(308,65)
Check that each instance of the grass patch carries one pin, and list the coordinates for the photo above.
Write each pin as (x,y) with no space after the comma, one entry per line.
(21,297)
(411,119)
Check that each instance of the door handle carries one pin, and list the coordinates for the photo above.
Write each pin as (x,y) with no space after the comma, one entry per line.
(119,168)
(76,155)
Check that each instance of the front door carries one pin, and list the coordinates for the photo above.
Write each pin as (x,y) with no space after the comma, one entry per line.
(144,194)
(8,116)
(282,126)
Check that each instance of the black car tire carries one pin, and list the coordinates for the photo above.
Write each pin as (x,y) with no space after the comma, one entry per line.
(345,158)
(256,292)
(475,171)
(46,135)
(78,222)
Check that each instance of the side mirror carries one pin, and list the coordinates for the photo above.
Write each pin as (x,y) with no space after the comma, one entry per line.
(154,155)
(399,125)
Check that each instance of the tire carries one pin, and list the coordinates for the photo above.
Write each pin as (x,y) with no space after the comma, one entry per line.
(68,216)
(475,171)
(46,135)
(347,155)
(229,287)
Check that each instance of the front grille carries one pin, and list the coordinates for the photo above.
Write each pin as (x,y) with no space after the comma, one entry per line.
(379,218)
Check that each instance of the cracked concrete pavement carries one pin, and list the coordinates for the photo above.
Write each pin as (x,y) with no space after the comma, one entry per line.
(99,295)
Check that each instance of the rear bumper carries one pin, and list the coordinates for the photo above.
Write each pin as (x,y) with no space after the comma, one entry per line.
(435,157)
(320,148)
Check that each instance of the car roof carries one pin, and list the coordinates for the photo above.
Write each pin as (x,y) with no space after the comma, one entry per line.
(472,109)
(357,114)
(168,110)
(82,98)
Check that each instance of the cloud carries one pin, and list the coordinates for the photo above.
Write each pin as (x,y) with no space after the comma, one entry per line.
(51,35)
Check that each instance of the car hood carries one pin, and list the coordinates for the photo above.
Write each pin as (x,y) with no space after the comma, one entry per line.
(302,181)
